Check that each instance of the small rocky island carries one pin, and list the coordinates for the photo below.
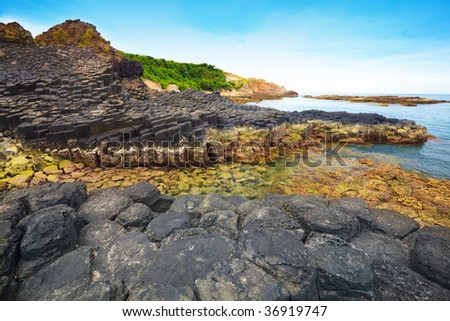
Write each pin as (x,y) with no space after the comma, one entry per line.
(382,100)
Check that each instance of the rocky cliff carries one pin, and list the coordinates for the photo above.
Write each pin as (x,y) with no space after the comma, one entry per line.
(253,89)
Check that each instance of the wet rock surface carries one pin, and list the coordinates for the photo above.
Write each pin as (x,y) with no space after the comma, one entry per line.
(212,248)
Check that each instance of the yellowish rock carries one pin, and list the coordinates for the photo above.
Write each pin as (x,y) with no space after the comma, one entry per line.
(19,162)
(40,175)
(52,178)
(69,170)
(261,169)
(80,165)
(126,184)
(65,164)
(117,178)
(20,180)
(77,175)
(52,170)
(28,172)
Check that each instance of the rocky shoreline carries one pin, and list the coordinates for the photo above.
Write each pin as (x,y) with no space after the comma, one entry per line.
(70,100)
(60,243)
(383,101)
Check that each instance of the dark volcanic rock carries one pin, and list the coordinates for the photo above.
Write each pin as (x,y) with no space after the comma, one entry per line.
(379,247)
(13,212)
(9,247)
(105,204)
(67,278)
(188,204)
(236,200)
(125,259)
(399,283)
(299,205)
(275,200)
(392,223)
(431,254)
(165,224)
(71,194)
(9,255)
(331,221)
(355,206)
(282,254)
(137,215)
(249,207)
(127,68)
(215,202)
(180,262)
(343,272)
(163,203)
(99,233)
(220,247)
(160,292)
(223,222)
(144,193)
(270,217)
(240,280)
(49,233)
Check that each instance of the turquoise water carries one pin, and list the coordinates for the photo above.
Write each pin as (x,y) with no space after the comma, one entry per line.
(431,158)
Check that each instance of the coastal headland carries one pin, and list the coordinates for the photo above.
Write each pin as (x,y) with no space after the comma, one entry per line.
(108,189)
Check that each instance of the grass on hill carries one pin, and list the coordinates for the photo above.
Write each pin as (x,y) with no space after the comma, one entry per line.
(184,75)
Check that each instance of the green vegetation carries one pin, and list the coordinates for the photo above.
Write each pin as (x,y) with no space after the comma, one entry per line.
(184,75)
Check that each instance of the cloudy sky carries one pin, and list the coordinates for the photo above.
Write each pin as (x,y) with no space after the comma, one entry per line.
(336,46)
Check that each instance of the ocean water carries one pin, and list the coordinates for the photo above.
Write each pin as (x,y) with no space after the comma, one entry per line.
(431,158)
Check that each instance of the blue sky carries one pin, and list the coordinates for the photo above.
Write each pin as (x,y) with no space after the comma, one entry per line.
(341,46)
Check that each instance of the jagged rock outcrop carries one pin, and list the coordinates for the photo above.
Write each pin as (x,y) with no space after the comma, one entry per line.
(14,33)
(213,248)
(76,33)
(253,89)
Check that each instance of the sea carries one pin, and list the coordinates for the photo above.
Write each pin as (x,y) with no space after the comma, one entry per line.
(431,159)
